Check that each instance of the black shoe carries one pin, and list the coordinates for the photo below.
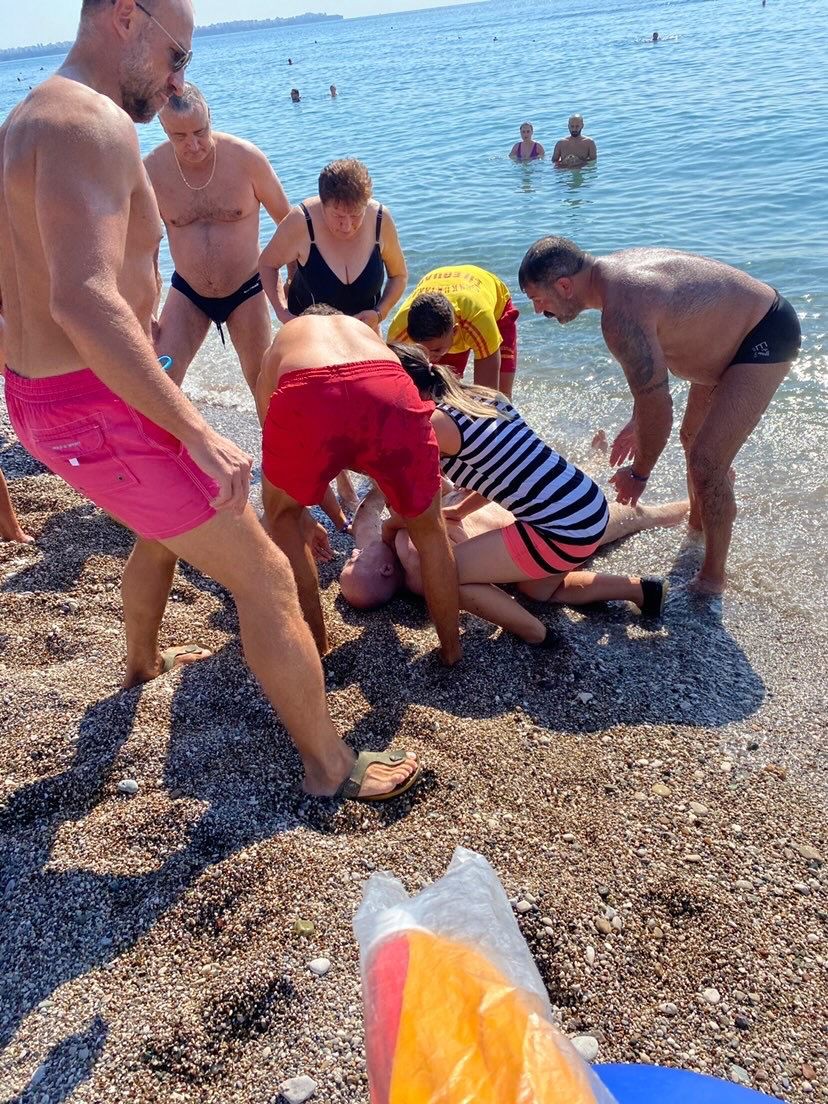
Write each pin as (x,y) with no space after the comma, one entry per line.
(655,595)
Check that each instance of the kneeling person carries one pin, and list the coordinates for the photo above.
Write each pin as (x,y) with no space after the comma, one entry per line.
(331,397)
(461,309)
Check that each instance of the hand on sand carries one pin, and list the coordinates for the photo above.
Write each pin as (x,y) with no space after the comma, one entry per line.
(628,489)
(320,543)
(623,447)
(228,465)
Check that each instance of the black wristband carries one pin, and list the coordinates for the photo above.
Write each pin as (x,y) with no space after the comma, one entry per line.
(638,478)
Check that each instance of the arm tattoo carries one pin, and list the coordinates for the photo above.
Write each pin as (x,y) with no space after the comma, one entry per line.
(634,350)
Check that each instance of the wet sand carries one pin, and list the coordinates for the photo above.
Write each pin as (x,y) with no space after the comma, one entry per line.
(658,794)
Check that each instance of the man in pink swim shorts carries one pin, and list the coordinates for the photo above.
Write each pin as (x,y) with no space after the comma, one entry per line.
(79,282)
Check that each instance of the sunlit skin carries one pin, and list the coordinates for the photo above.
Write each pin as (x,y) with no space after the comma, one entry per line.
(522,150)
(191,135)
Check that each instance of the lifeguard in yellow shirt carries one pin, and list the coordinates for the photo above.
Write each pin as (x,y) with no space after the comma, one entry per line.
(461,309)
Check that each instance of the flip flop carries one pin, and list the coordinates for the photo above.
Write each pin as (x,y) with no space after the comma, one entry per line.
(655,595)
(351,786)
(172,654)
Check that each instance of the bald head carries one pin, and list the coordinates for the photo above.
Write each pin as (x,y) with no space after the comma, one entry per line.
(576,125)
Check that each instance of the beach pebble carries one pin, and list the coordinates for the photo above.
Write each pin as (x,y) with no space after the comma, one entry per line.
(567,837)
(667,1008)
(699,809)
(37,1076)
(71,605)
(524,906)
(660,790)
(319,966)
(296,1090)
(808,852)
(739,1075)
(803,888)
(742,1022)
(304,928)
(744,885)
(585,697)
(587,1047)
(589,955)
(128,786)
(712,996)
(603,925)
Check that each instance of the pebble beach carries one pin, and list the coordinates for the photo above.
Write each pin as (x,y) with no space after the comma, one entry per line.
(177,916)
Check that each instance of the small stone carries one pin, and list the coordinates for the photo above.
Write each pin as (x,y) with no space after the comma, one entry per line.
(660,790)
(803,888)
(742,1022)
(587,1047)
(71,605)
(603,925)
(712,996)
(692,859)
(304,928)
(296,1090)
(699,809)
(128,786)
(603,891)
(589,955)
(617,922)
(812,855)
(319,966)
(808,1071)
(585,697)
(744,885)
(524,906)
(37,1076)
(668,1009)
(567,837)
(739,1075)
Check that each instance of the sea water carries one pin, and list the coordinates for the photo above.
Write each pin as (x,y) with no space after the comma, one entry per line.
(711,140)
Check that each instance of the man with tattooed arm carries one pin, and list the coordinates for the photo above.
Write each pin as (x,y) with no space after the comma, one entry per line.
(731,336)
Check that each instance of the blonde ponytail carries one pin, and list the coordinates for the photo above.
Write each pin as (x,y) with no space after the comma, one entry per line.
(442,385)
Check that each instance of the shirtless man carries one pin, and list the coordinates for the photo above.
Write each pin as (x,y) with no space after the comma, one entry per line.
(577,150)
(731,336)
(332,396)
(79,236)
(210,188)
(10,527)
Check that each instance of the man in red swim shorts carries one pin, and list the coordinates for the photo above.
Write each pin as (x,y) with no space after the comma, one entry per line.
(331,396)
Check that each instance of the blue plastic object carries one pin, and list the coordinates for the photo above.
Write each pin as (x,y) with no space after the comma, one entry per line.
(166,362)
(657,1084)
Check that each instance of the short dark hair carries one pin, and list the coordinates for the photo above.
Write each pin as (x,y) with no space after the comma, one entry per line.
(320,310)
(92,5)
(549,259)
(430,315)
(345,181)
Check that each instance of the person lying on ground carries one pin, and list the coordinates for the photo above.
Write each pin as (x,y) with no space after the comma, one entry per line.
(375,572)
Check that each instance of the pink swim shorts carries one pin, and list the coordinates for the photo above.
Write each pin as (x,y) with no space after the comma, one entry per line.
(540,555)
(107,451)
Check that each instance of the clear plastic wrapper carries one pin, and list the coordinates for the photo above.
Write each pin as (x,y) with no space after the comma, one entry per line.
(455,1009)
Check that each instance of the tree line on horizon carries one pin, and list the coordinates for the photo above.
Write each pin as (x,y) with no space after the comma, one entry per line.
(44,49)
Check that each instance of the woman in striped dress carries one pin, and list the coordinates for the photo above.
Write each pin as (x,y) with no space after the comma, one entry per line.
(560,514)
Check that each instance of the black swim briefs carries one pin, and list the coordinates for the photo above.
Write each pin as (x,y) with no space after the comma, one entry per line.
(775,339)
(219,309)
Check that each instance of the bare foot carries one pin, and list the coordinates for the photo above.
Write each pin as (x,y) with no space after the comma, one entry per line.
(599,441)
(378,780)
(165,662)
(703,584)
(17,536)
(348,498)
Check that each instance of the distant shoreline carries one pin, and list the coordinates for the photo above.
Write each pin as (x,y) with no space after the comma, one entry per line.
(49,49)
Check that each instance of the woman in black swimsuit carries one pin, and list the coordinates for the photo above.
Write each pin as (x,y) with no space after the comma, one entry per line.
(344,248)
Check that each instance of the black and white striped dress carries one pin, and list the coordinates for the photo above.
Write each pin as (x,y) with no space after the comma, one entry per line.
(504,460)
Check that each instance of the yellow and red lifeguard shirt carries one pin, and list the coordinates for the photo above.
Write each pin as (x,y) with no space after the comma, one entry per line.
(478,298)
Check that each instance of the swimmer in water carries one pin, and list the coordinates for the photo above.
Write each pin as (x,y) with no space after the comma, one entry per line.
(577,150)
(655,36)
(526,149)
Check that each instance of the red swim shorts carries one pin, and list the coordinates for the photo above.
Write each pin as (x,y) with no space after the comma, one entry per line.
(507,326)
(107,451)
(367,416)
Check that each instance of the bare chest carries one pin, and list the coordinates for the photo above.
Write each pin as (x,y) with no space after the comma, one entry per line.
(221,201)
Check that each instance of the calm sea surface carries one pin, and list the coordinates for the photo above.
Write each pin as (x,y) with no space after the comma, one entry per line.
(712,140)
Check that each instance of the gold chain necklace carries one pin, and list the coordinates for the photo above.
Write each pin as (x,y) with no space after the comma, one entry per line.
(200,187)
